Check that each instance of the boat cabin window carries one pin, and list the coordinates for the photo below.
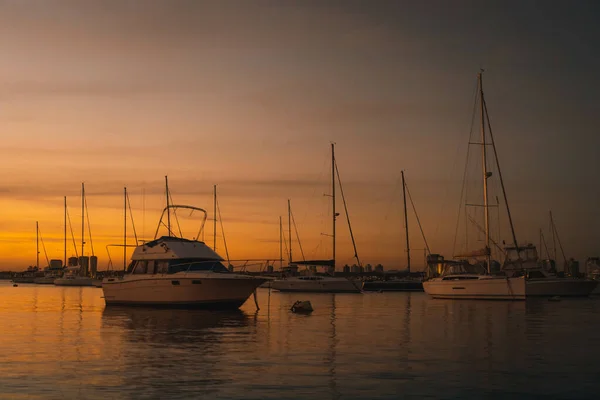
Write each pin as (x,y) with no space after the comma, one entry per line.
(525,254)
(162,267)
(189,265)
(130,267)
(140,267)
(151,267)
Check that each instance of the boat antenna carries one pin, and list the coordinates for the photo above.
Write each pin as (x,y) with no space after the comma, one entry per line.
(486,175)
(489,124)
(406,223)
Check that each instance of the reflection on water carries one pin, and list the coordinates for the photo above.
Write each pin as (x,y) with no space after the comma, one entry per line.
(61,342)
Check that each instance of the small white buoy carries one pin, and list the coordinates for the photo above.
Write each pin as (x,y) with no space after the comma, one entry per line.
(554,298)
(302,306)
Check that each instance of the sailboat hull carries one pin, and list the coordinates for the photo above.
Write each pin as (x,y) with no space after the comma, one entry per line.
(74,281)
(310,285)
(480,288)
(186,290)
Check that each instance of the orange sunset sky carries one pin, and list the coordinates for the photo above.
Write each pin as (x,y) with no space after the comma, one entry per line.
(249,95)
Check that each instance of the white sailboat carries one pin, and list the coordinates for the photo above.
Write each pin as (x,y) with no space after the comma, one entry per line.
(54,268)
(319,283)
(461,280)
(175,271)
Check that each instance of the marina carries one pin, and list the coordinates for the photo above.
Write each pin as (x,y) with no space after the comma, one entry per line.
(299,200)
(393,340)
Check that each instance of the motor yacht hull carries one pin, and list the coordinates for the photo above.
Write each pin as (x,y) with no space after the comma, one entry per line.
(482,288)
(323,285)
(567,287)
(209,290)
(74,281)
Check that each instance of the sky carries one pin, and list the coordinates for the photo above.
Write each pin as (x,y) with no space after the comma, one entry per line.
(249,95)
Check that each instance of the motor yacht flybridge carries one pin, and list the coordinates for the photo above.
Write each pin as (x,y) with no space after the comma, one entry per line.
(174,271)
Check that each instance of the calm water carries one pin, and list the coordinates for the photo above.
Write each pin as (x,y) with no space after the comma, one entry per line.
(62,343)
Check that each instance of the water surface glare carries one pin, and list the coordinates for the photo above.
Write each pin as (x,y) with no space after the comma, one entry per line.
(63,343)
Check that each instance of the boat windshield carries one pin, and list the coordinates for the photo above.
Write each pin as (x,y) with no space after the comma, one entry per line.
(188,265)
(463,268)
(173,266)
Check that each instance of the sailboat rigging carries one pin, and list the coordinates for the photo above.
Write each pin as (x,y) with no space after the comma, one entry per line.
(317,283)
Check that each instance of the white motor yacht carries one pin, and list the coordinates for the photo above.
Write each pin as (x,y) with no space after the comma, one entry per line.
(174,271)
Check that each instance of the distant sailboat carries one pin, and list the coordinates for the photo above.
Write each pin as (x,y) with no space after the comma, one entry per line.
(399,285)
(320,283)
(76,273)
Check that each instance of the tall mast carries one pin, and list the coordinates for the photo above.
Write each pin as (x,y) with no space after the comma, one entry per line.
(125,228)
(168,208)
(37,245)
(215,218)
(553,237)
(290,228)
(486,175)
(82,217)
(334,215)
(65,217)
(280,243)
(406,223)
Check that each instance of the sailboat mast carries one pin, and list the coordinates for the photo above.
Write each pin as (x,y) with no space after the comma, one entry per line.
(125,229)
(280,243)
(82,217)
(168,208)
(215,218)
(37,245)
(65,217)
(485,177)
(406,223)
(334,215)
(553,237)
(290,228)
